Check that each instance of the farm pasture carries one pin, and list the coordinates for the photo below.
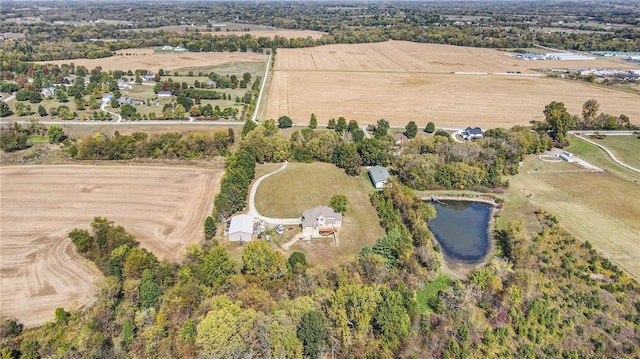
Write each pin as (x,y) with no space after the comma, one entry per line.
(164,207)
(598,207)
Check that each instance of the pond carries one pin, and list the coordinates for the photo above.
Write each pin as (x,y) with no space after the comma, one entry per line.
(462,230)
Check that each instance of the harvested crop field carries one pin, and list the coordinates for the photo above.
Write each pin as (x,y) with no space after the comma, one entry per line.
(40,269)
(403,81)
(146,59)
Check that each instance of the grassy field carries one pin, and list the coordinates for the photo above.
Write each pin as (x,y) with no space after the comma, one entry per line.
(429,293)
(598,207)
(401,81)
(626,148)
(304,186)
(598,157)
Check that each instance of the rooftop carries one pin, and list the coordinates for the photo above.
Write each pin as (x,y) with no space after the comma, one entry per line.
(241,223)
(378,174)
(310,217)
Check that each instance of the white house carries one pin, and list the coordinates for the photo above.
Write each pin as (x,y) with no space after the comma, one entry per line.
(321,221)
(241,228)
(472,133)
(379,176)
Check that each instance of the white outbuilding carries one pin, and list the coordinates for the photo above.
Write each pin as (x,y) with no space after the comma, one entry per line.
(241,228)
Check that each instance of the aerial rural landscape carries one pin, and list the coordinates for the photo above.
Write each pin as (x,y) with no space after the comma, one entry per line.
(269,179)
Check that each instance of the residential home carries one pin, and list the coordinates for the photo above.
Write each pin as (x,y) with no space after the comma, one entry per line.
(123,84)
(241,228)
(149,77)
(474,133)
(48,92)
(125,100)
(400,138)
(321,221)
(379,176)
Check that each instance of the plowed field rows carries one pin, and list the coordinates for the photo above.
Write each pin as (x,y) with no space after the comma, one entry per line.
(40,269)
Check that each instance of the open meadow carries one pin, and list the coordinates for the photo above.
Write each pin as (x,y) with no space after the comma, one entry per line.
(402,81)
(151,61)
(304,186)
(598,207)
(164,207)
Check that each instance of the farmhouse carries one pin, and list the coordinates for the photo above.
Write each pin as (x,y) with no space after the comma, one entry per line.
(400,138)
(321,221)
(241,228)
(379,176)
(470,133)
(48,92)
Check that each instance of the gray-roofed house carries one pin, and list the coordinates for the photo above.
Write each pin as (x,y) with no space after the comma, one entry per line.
(321,221)
(241,228)
(379,176)
(472,133)
(164,93)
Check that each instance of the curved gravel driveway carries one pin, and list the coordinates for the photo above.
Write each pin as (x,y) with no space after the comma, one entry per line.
(252,203)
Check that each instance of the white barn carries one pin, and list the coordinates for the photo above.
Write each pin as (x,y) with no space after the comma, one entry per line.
(241,228)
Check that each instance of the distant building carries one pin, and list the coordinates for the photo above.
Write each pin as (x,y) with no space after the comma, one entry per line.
(379,176)
(241,228)
(164,93)
(566,156)
(123,84)
(149,77)
(125,100)
(400,138)
(472,133)
(48,92)
(321,221)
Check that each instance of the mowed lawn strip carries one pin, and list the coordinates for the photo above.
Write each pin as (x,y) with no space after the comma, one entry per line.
(610,236)
(304,186)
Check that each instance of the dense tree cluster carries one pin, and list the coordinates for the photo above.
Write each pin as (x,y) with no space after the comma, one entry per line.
(170,145)
(15,137)
(234,188)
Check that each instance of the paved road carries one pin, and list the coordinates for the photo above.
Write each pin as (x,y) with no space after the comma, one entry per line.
(252,204)
(613,157)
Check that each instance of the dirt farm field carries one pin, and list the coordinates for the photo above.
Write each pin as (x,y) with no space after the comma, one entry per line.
(403,81)
(147,59)
(40,269)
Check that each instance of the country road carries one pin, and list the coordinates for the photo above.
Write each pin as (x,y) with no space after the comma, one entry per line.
(252,203)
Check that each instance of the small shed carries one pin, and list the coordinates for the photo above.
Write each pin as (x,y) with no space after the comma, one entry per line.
(379,176)
(241,228)
(164,93)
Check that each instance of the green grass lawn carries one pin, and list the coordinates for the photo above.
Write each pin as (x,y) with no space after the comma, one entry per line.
(429,293)
(596,156)
(626,148)
(38,139)
(302,186)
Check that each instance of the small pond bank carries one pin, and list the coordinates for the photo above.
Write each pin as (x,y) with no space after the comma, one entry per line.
(462,229)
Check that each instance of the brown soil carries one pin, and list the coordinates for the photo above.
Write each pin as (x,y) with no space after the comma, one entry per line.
(40,268)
